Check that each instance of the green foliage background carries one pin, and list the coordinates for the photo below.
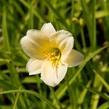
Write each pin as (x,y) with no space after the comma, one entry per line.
(84,87)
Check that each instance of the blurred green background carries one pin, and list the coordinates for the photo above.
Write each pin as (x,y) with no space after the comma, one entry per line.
(84,87)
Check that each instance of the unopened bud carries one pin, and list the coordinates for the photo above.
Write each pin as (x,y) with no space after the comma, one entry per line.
(81,22)
(74,19)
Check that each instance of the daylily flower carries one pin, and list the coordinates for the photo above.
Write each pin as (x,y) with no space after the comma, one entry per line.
(50,53)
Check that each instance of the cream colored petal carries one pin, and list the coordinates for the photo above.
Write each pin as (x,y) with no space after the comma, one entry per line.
(60,36)
(34,66)
(32,49)
(61,71)
(66,46)
(48,29)
(38,37)
(34,35)
(53,75)
(74,58)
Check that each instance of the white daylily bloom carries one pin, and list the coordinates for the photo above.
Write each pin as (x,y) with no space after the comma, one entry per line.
(50,53)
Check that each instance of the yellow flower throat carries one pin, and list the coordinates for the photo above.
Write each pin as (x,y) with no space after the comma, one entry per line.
(53,54)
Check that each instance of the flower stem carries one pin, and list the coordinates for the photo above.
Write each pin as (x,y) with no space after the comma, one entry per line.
(95,97)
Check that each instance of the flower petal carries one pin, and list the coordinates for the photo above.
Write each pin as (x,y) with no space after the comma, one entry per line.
(48,29)
(53,75)
(34,35)
(60,36)
(66,46)
(30,48)
(34,66)
(38,37)
(74,58)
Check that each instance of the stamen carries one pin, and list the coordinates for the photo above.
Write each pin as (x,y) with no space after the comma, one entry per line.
(53,54)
